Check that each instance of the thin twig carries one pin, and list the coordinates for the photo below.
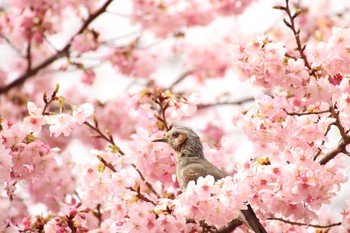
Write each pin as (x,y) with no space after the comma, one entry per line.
(341,147)
(29,54)
(230,227)
(305,224)
(109,138)
(180,79)
(146,182)
(323,142)
(28,74)
(238,102)
(141,196)
(98,214)
(107,164)
(291,24)
(339,125)
(306,113)
(296,33)
(159,100)
(10,44)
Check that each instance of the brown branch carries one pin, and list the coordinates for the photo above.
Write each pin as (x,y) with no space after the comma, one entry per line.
(180,79)
(10,44)
(48,102)
(239,102)
(141,196)
(107,164)
(230,227)
(98,214)
(339,125)
(29,54)
(109,138)
(71,224)
(159,99)
(341,147)
(144,180)
(306,113)
(305,224)
(323,142)
(30,73)
(291,24)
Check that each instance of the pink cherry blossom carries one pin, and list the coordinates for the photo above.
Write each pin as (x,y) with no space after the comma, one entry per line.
(85,42)
(5,164)
(60,124)
(35,121)
(83,113)
(162,63)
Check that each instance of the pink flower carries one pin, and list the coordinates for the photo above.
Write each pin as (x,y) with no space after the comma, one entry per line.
(88,77)
(85,42)
(60,124)
(5,164)
(83,113)
(35,121)
(186,108)
(134,62)
(12,136)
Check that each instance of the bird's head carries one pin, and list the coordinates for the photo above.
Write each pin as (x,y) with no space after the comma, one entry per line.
(183,139)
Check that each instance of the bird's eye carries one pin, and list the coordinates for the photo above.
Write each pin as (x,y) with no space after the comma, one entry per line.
(175,135)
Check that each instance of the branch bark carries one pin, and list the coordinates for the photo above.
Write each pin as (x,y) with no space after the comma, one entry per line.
(305,224)
(60,53)
(238,102)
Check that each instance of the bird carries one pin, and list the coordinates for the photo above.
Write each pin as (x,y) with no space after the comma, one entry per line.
(191,164)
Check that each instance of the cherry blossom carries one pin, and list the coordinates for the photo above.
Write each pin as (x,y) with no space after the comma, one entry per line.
(74,159)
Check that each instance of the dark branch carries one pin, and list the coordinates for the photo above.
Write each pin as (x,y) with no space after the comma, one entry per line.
(107,164)
(141,196)
(109,139)
(180,79)
(305,224)
(291,24)
(305,113)
(239,102)
(29,54)
(341,147)
(230,227)
(323,142)
(339,125)
(30,73)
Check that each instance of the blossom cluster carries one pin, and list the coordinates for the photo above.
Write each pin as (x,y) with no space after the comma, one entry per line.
(94,168)
(164,17)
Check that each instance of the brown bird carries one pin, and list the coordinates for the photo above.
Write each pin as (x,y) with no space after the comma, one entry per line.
(191,164)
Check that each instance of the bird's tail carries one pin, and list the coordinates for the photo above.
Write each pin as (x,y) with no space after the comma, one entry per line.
(250,219)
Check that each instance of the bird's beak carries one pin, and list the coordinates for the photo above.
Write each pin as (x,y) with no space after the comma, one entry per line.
(160,140)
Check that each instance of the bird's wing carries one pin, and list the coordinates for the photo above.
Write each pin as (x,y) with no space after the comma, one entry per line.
(195,170)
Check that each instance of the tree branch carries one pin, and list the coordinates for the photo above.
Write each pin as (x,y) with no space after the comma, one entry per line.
(180,79)
(230,227)
(109,139)
(239,102)
(341,147)
(305,224)
(29,54)
(306,113)
(291,24)
(339,125)
(141,196)
(30,73)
